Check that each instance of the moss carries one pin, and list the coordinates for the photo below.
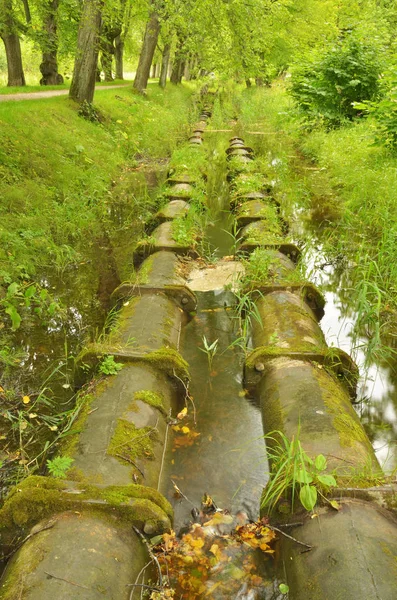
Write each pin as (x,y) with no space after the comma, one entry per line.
(345,421)
(131,442)
(169,361)
(151,398)
(37,497)
(83,406)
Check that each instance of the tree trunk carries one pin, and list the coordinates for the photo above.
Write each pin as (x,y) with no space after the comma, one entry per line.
(49,64)
(83,81)
(165,60)
(108,36)
(12,44)
(119,56)
(147,53)
(179,64)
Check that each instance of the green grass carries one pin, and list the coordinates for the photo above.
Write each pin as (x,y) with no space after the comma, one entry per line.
(62,178)
(28,89)
(347,186)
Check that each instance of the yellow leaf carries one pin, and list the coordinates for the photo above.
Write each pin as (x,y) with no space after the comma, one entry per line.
(26,399)
(185,429)
(1,390)
(176,428)
(182,414)
(54,428)
(335,504)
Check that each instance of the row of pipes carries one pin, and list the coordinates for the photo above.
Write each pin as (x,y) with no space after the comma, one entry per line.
(74,538)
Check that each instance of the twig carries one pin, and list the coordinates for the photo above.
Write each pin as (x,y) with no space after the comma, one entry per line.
(131,462)
(290,537)
(164,451)
(67,581)
(152,556)
(177,489)
(141,572)
(143,585)
(187,395)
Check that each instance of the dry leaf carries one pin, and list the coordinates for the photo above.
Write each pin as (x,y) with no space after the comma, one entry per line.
(182,414)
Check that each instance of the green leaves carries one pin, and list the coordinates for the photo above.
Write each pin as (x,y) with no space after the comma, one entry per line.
(308,496)
(295,473)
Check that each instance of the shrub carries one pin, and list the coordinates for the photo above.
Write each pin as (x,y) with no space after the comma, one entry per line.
(326,88)
(384,113)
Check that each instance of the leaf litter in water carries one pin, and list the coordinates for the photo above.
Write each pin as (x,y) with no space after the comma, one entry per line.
(215,559)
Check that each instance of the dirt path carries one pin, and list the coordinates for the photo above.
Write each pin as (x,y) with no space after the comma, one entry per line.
(49,93)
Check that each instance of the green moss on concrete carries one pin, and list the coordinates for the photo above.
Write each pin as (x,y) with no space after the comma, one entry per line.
(345,421)
(169,361)
(151,398)
(37,498)
(131,442)
(83,406)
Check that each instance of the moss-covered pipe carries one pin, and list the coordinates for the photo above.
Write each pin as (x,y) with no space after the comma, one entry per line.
(287,322)
(304,389)
(81,544)
(354,554)
(302,396)
(79,556)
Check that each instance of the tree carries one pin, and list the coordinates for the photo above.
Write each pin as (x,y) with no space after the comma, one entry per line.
(83,83)
(148,48)
(9,33)
(49,45)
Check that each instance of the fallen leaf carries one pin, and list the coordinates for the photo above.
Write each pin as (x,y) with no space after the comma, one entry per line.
(335,505)
(26,399)
(185,429)
(182,414)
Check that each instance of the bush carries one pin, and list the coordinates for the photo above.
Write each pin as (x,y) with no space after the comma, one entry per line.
(326,88)
(384,113)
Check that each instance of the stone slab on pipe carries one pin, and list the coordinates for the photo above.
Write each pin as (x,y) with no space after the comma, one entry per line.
(267,230)
(354,555)
(300,396)
(84,557)
(182,191)
(286,321)
(121,421)
(172,210)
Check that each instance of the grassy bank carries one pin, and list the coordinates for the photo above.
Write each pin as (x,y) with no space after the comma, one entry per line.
(61,175)
(345,185)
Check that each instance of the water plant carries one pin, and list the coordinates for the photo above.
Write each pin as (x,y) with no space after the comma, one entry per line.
(294,474)
(209,350)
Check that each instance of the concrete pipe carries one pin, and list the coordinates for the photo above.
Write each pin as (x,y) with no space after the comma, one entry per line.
(79,556)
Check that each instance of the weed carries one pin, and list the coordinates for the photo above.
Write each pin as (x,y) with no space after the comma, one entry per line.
(109,366)
(210,350)
(59,466)
(294,473)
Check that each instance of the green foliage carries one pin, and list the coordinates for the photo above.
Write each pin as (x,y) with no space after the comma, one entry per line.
(59,466)
(326,87)
(109,366)
(384,113)
(294,473)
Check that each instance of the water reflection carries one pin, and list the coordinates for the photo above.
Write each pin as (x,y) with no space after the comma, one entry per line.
(377,391)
